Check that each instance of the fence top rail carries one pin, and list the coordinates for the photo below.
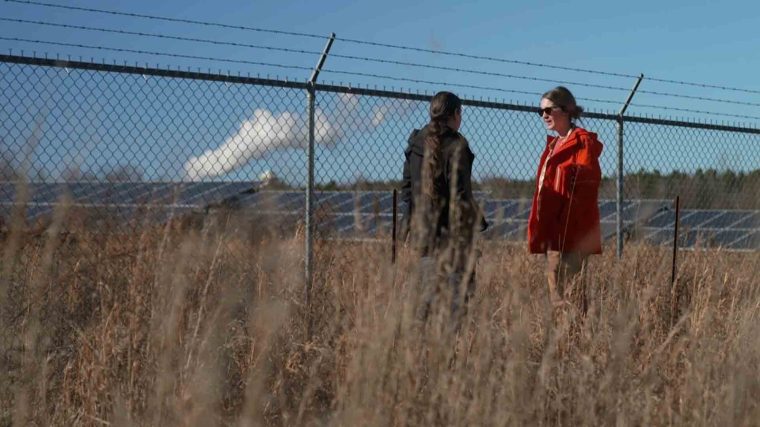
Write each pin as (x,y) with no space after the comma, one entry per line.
(693,125)
(148,71)
(239,79)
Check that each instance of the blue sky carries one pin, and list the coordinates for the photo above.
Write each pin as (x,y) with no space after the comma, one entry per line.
(679,40)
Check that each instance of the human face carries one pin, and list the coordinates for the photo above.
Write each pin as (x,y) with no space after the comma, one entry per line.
(558,120)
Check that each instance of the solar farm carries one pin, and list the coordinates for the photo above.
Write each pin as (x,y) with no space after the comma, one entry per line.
(201,220)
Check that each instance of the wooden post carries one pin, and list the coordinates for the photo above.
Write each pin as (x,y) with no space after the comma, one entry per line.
(393,227)
(674,294)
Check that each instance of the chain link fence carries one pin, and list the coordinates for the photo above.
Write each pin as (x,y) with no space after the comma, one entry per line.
(708,166)
(74,122)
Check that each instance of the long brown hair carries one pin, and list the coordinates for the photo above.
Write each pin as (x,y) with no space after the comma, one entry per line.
(443,106)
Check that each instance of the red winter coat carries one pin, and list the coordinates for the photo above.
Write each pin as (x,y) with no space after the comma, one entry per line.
(565,212)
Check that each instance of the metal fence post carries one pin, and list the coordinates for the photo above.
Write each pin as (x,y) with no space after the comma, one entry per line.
(309,250)
(621,170)
(619,206)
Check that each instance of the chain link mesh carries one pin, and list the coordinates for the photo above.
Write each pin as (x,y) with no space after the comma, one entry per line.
(67,123)
(107,126)
(707,169)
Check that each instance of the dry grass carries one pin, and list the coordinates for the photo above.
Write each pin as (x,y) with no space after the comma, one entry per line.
(206,326)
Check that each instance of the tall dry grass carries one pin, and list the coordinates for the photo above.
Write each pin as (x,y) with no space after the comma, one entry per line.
(205,326)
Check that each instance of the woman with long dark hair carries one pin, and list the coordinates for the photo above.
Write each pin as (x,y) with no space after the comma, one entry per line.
(443,214)
(564,218)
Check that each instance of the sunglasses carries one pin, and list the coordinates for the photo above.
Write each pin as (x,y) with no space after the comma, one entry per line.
(548,110)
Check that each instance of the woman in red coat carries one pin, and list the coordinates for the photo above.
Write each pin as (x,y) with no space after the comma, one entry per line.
(564,217)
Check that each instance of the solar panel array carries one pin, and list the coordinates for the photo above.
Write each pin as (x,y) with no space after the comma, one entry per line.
(369,214)
(350,215)
(733,229)
(123,200)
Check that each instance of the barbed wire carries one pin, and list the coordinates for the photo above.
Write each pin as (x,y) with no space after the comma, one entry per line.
(687,110)
(536,64)
(361,74)
(160,36)
(703,85)
(385,45)
(539,79)
(155,53)
(372,75)
(371,59)
(167,19)
(440,83)
(471,71)
(335,71)
(699,98)
(537,94)
(301,51)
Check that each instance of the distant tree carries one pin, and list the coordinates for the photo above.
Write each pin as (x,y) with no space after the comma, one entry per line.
(702,189)
(329,186)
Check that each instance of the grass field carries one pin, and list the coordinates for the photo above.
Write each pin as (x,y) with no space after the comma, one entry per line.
(207,326)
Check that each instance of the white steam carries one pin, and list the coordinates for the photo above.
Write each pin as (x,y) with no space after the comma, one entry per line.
(266,132)
(263,133)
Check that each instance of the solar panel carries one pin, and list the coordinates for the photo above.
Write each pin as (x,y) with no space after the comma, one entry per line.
(662,219)
(215,193)
(347,213)
(495,209)
(751,221)
(501,230)
(607,208)
(729,238)
(120,199)
(41,193)
(696,218)
(342,224)
(640,210)
(133,193)
(508,217)
(188,193)
(272,201)
(700,238)
(489,207)
(346,204)
(375,225)
(383,202)
(657,235)
(752,241)
(332,198)
(726,219)
(339,198)
(608,229)
(286,201)
(35,193)
(519,233)
(368,202)
(7,189)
